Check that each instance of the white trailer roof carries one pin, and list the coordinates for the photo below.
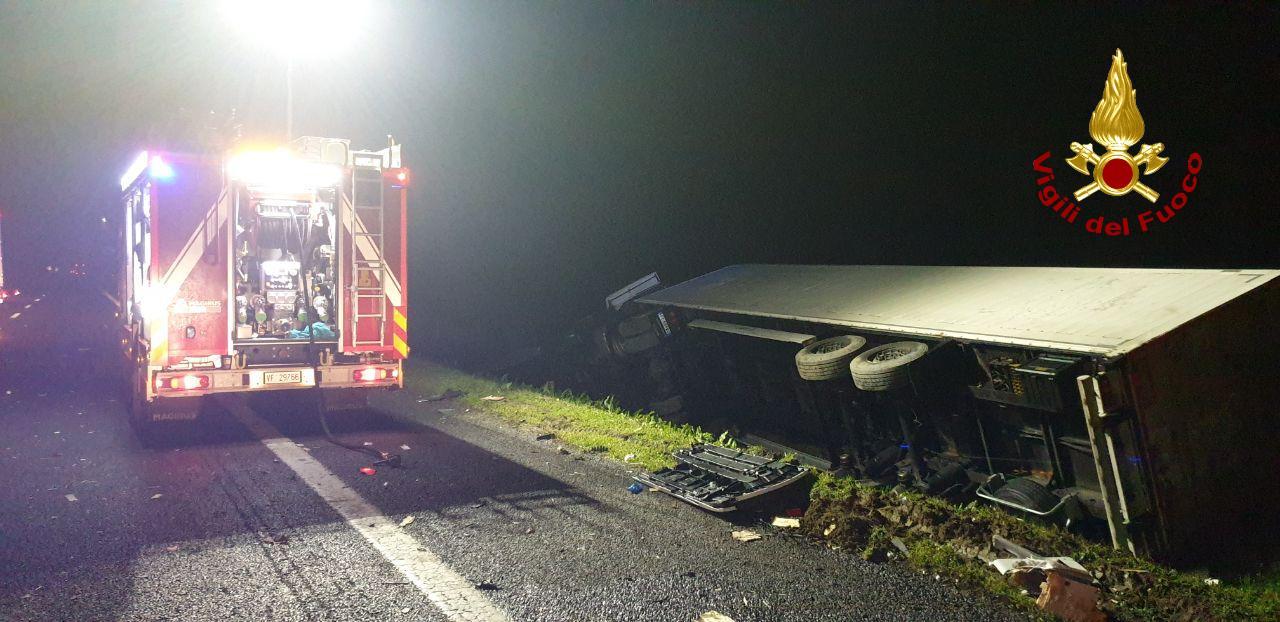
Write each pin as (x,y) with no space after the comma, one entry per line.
(1101,311)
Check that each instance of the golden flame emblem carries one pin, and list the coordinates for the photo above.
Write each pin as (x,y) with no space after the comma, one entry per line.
(1117,125)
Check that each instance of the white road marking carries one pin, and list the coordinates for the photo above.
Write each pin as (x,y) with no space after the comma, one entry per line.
(15,315)
(456,597)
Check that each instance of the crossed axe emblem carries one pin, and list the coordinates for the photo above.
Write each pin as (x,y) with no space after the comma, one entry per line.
(1116,172)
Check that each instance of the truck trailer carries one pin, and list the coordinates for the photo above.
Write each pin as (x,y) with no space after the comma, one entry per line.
(1139,406)
(262,270)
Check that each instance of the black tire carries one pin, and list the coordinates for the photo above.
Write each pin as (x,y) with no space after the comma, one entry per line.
(1027,493)
(826,359)
(884,368)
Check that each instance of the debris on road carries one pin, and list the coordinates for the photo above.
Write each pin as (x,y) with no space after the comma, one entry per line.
(172,548)
(72,498)
(408,520)
(367,444)
(545,437)
(746,535)
(713,616)
(628,458)
(272,538)
(368,470)
(783,521)
(1070,600)
(486,586)
(717,478)
(635,488)
(447,395)
(493,398)
(156,496)
(404,448)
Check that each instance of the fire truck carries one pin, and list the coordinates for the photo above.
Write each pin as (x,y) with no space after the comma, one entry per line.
(262,270)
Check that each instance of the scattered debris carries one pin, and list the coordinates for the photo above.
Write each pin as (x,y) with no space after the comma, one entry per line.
(493,398)
(73,499)
(830,528)
(528,530)
(562,450)
(447,395)
(486,586)
(272,538)
(1073,601)
(628,458)
(404,610)
(899,544)
(545,437)
(782,521)
(368,444)
(713,616)
(404,448)
(635,488)
(445,411)
(368,470)
(408,520)
(156,496)
(1213,582)
(172,549)
(746,535)
(717,478)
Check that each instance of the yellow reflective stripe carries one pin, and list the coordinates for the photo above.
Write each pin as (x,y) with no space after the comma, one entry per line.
(399,318)
(400,345)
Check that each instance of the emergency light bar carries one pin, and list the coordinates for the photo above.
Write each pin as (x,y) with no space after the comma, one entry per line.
(135,169)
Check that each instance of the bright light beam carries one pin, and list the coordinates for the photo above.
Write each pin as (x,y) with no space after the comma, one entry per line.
(299,29)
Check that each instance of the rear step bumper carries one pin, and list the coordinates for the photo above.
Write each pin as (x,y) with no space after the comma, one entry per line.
(210,381)
(717,479)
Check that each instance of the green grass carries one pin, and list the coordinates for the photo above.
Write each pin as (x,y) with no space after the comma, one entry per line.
(591,426)
(942,538)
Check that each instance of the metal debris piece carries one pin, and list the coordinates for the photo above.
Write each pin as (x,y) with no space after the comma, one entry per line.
(783,521)
(746,535)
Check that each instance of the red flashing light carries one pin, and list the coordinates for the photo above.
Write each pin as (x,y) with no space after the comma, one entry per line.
(400,178)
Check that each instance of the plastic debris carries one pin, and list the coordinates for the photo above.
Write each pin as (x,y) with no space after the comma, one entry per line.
(408,520)
(713,616)
(782,521)
(486,586)
(493,398)
(1071,600)
(635,488)
(746,535)
(172,549)
(156,496)
(1213,581)
(368,470)
(447,395)
(628,457)
(404,448)
(367,444)
(73,498)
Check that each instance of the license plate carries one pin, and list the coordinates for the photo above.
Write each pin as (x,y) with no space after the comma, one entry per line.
(282,377)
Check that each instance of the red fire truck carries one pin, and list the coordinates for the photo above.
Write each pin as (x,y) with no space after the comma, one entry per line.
(262,270)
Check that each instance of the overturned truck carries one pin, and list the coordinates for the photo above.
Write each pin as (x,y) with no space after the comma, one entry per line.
(1136,405)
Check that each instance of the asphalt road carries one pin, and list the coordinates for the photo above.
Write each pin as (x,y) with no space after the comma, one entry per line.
(211,523)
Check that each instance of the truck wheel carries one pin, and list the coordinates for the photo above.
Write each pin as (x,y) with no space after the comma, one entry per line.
(884,368)
(826,359)
(1027,493)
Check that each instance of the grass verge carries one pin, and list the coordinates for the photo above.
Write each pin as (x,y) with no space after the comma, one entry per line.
(942,538)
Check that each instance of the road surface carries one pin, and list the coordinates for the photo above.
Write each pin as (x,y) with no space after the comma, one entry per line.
(250,514)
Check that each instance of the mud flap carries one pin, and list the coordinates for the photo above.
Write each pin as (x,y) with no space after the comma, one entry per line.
(718,479)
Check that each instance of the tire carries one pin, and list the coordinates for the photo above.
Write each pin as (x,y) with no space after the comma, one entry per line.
(884,368)
(1027,493)
(826,359)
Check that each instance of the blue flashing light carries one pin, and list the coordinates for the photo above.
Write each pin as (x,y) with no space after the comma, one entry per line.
(160,169)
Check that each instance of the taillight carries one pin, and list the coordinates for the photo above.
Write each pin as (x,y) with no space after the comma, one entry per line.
(184,382)
(374,374)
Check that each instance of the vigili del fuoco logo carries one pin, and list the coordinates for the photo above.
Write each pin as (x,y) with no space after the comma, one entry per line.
(1116,125)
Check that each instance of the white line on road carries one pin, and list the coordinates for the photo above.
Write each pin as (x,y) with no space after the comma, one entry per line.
(456,597)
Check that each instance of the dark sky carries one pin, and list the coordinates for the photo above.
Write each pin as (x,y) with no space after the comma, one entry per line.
(561,150)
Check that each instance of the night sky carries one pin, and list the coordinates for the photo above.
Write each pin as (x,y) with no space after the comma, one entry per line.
(561,150)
